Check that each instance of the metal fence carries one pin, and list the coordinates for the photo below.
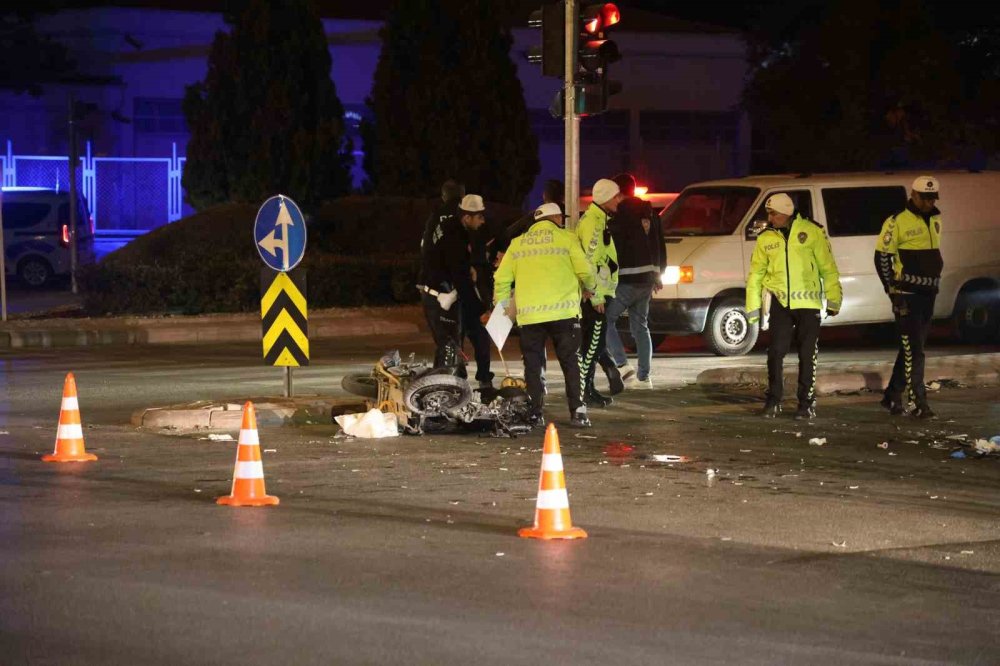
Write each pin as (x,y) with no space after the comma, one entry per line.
(125,194)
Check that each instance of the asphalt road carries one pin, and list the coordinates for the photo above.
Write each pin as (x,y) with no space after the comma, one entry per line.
(404,550)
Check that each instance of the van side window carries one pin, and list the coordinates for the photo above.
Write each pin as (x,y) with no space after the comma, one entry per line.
(860,211)
(23,215)
(802,199)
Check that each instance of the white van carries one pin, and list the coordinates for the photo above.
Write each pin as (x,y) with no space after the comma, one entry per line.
(709,232)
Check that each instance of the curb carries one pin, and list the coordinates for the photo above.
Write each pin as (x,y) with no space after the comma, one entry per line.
(309,410)
(326,324)
(980,369)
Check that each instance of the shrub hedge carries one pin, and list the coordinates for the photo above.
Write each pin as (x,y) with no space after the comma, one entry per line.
(361,251)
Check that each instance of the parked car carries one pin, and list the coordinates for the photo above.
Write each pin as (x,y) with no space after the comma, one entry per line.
(36,233)
(711,228)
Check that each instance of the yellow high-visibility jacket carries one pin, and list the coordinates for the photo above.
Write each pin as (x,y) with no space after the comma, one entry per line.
(548,266)
(797,272)
(600,250)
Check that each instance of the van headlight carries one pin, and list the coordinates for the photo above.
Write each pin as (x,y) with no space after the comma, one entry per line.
(677,274)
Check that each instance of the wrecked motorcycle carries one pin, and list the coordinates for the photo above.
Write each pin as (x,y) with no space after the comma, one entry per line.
(427,399)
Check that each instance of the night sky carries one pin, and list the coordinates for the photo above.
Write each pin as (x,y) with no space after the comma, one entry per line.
(732,14)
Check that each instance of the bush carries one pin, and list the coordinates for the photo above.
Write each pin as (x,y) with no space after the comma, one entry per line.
(361,251)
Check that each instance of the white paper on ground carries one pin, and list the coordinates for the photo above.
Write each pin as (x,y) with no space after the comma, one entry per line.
(371,424)
(499,326)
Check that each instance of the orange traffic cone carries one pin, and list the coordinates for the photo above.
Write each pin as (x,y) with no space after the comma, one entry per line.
(552,519)
(248,477)
(69,435)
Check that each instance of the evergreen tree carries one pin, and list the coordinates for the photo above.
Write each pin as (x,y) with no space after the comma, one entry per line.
(447,102)
(267,119)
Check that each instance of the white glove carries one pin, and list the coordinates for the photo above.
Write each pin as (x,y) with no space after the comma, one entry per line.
(448,300)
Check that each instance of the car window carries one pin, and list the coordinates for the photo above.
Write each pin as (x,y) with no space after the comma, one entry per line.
(801,198)
(861,211)
(708,211)
(24,214)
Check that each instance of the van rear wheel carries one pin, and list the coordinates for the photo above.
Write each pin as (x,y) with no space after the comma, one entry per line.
(34,272)
(727,330)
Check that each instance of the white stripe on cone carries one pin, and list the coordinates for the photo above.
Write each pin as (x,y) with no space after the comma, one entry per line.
(553,499)
(249,437)
(69,431)
(70,403)
(552,462)
(252,469)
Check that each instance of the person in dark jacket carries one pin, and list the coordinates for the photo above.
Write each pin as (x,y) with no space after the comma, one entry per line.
(452,192)
(553,192)
(446,278)
(488,244)
(642,258)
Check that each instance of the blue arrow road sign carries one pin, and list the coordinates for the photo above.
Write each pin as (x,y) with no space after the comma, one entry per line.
(280,233)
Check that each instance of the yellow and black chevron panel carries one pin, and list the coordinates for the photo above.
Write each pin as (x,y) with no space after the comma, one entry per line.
(284,318)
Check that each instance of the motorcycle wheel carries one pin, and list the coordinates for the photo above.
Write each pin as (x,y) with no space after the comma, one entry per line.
(363,385)
(433,395)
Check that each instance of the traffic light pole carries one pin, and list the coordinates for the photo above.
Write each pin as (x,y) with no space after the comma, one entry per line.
(73,222)
(571,121)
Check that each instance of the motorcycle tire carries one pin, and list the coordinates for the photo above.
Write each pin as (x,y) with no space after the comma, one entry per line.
(436,395)
(363,385)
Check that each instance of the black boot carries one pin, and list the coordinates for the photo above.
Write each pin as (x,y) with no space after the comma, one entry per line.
(806,411)
(615,383)
(771,408)
(579,419)
(924,411)
(894,406)
(592,398)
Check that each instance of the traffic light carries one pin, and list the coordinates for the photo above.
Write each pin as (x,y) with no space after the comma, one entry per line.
(595,52)
(552,53)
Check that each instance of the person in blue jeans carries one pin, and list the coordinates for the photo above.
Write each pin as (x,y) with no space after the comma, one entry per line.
(641,262)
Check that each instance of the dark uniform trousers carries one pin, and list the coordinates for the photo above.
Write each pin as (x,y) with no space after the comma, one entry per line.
(786,324)
(446,328)
(473,329)
(593,350)
(565,334)
(913,322)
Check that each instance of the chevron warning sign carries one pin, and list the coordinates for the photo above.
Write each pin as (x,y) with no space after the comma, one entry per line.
(285,318)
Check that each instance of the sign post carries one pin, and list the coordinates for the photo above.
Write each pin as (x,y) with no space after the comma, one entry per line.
(3,256)
(280,237)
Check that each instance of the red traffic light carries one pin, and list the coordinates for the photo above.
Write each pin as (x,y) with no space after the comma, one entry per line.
(610,15)
(598,18)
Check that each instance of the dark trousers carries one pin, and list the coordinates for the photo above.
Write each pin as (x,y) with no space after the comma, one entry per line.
(473,329)
(913,322)
(593,350)
(446,328)
(802,325)
(565,334)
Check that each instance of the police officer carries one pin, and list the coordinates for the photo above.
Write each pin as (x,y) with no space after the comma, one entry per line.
(599,248)
(793,262)
(548,265)
(446,277)
(452,192)
(908,261)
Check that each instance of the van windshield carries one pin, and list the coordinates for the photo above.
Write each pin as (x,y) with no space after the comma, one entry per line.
(708,211)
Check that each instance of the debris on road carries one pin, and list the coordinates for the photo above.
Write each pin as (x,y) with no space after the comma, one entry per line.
(372,424)
(817,441)
(219,438)
(883,445)
(986,447)
(580,435)
(958,438)
(958,454)
(711,472)
(670,458)
(839,544)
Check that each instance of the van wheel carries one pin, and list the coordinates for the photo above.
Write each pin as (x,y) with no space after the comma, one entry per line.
(727,331)
(977,317)
(34,272)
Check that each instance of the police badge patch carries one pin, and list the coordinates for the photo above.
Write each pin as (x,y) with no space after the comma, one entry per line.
(887,238)
(803,237)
